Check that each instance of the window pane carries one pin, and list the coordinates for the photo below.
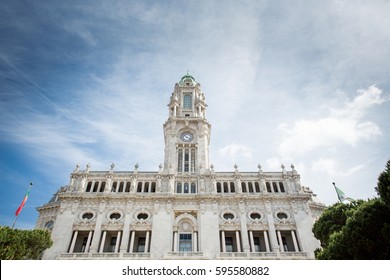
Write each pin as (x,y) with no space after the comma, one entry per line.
(186,160)
(187,101)
(192,160)
(180,161)
(185,242)
(193,188)
(178,188)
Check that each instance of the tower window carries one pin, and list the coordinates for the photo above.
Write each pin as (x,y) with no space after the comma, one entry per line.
(187,101)
(186,187)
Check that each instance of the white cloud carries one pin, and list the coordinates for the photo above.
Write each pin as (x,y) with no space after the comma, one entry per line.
(333,169)
(341,126)
(235,151)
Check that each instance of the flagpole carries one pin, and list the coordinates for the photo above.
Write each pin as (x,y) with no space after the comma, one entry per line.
(14,221)
(21,206)
(338,196)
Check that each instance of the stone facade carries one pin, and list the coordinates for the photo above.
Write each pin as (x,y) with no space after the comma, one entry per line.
(185,210)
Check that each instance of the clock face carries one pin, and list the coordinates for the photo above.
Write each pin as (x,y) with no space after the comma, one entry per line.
(186,136)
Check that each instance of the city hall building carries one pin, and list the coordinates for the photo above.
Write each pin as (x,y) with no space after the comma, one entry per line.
(185,210)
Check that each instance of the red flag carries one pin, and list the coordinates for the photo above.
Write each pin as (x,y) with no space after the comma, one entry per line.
(24,201)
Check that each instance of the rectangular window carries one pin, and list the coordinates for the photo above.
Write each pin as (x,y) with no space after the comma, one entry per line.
(186,160)
(256,241)
(193,188)
(178,188)
(229,244)
(185,242)
(180,161)
(192,160)
(112,244)
(187,101)
(186,188)
(141,244)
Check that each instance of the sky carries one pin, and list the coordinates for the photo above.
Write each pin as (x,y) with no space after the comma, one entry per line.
(286,82)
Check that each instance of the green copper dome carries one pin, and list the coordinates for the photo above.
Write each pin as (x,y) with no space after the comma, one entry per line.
(187,77)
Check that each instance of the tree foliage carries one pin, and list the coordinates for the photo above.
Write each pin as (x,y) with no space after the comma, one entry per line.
(358,230)
(383,186)
(16,244)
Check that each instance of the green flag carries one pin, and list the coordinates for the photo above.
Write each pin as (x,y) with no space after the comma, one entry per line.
(341,194)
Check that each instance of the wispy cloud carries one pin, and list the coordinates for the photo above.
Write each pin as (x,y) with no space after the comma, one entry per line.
(342,126)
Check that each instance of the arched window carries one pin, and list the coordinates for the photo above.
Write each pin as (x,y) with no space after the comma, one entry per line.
(275,187)
(250,187)
(89,187)
(232,187)
(180,161)
(225,187)
(139,187)
(128,184)
(113,188)
(243,186)
(193,187)
(281,186)
(185,234)
(121,184)
(218,187)
(268,185)
(257,187)
(178,188)
(187,101)
(103,186)
(95,187)
(186,188)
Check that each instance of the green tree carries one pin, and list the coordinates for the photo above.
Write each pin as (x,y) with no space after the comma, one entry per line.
(358,230)
(383,186)
(16,244)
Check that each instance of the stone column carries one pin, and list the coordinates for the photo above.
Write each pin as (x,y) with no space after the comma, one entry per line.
(195,242)
(175,241)
(294,238)
(238,241)
(223,241)
(103,241)
(131,249)
(252,241)
(271,224)
(244,228)
(280,241)
(88,241)
(118,241)
(266,241)
(125,236)
(74,238)
(147,242)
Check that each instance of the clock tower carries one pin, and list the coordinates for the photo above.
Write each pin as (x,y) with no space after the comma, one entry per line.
(186,132)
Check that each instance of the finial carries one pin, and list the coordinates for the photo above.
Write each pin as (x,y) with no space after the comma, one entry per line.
(112,166)
(136,166)
(259,167)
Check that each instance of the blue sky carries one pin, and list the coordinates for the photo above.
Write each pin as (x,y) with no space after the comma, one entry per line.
(299,82)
